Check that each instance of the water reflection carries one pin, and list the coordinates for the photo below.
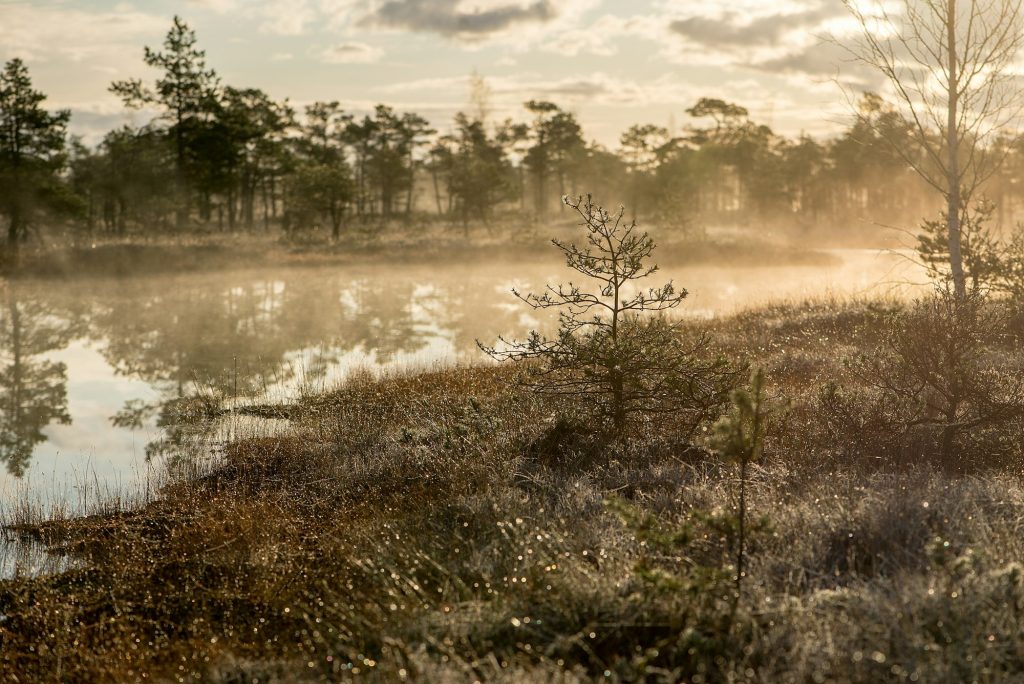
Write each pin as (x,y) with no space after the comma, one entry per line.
(218,336)
(33,388)
(228,337)
(117,371)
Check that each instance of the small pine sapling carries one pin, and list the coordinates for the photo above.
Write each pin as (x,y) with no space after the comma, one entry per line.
(983,253)
(738,437)
(606,352)
(943,364)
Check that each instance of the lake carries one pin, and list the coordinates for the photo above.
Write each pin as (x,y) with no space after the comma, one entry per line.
(93,373)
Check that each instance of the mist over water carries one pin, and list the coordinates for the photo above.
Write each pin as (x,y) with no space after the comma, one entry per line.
(99,373)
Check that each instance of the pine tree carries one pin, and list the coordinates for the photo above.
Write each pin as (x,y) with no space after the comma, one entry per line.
(32,143)
(738,437)
(33,388)
(606,353)
(186,92)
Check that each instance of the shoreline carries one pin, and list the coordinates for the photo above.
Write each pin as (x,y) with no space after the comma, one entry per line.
(124,260)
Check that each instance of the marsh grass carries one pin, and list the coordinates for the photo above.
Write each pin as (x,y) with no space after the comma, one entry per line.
(449,525)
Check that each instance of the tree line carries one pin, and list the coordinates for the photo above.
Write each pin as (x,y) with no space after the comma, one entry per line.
(224,158)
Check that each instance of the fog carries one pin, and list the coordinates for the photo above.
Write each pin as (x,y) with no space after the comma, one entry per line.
(109,358)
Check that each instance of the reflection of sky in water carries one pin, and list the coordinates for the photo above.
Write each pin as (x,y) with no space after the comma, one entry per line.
(305,329)
(90,450)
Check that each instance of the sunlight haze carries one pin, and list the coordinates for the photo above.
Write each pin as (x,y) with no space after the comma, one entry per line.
(612,62)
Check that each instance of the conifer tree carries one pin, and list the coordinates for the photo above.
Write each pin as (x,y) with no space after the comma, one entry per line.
(186,91)
(738,437)
(606,353)
(32,143)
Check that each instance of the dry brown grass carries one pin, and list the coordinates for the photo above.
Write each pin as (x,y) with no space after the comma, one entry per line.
(448,526)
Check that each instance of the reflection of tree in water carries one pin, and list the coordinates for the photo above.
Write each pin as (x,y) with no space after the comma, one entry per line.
(206,335)
(378,316)
(480,309)
(221,334)
(180,420)
(215,337)
(33,390)
(196,335)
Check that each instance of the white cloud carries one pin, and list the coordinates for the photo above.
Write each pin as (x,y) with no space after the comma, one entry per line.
(747,51)
(455,19)
(56,32)
(279,17)
(91,120)
(754,34)
(552,25)
(605,35)
(286,17)
(520,24)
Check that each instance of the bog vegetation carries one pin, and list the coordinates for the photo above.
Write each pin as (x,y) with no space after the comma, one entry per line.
(549,519)
(613,502)
(623,364)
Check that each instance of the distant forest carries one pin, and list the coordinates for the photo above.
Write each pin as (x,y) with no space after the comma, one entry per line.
(221,158)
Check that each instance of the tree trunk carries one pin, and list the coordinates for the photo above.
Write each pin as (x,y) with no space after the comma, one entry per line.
(122,212)
(14,232)
(437,192)
(618,385)
(412,185)
(15,215)
(618,403)
(953,142)
(14,228)
(266,205)
(948,446)
(522,187)
(181,213)
(541,192)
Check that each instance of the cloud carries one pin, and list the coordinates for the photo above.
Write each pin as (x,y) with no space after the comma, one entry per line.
(603,36)
(92,120)
(286,17)
(51,32)
(351,53)
(450,18)
(553,25)
(278,17)
(820,59)
(798,41)
(735,30)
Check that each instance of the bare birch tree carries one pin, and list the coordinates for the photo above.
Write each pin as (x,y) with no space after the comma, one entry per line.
(950,67)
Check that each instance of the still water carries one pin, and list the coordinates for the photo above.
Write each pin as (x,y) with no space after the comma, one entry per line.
(90,370)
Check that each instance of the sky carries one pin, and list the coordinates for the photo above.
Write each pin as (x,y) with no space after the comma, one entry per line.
(613,63)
